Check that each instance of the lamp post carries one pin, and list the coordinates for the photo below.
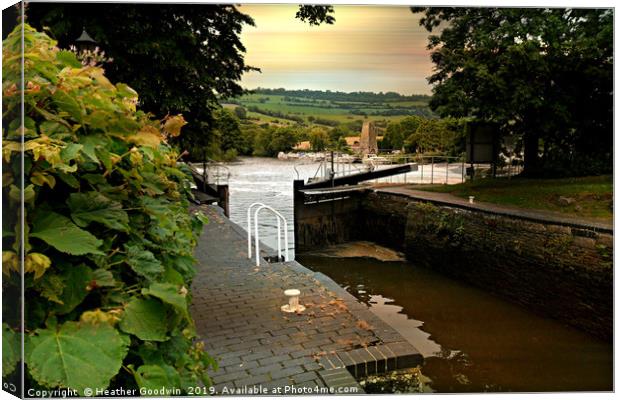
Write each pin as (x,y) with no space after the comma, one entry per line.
(85,42)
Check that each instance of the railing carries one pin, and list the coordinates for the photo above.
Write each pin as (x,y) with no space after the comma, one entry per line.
(213,172)
(279,217)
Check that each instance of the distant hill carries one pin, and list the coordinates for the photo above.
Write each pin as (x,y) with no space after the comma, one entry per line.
(327,108)
(365,97)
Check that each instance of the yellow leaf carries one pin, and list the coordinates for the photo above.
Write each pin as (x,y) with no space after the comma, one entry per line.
(10,262)
(173,125)
(37,263)
(147,136)
(97,317)
(39,179)
(9,147)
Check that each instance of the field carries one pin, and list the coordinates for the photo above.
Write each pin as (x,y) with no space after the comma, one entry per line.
(327,108)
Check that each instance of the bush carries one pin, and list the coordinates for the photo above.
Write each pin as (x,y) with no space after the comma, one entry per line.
(108,235)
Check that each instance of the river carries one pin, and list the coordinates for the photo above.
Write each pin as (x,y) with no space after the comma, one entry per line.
(472,341)
(270,181)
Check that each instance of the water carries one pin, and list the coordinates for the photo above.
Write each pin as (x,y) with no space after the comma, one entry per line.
(270,181)
(472,341)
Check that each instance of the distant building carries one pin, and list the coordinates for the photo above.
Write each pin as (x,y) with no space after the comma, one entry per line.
(353,142)
(303,146)
(368,139)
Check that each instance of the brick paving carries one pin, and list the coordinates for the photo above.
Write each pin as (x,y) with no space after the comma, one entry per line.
(236,307)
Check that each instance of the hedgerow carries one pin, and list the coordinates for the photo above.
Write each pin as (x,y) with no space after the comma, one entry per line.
(108,234)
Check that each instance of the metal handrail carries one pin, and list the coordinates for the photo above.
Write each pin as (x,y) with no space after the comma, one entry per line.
(279,217)
(250,227)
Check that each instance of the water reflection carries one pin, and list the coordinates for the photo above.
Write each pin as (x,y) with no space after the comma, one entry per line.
(473,341)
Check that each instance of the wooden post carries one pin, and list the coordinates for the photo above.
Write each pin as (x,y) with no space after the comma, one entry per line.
(298,207)
(223,199)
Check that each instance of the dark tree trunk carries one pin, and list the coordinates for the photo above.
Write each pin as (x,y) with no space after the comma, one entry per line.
(531,162)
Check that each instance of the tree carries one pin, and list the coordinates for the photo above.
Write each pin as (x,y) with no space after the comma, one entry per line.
(542,75)
(393,137)
(241,113)
(319,139)
(181,58)
(316,15)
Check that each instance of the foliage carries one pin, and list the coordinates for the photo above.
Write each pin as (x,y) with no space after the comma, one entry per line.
(181,58)
(241,113)
(269,141)
(352,97)
(315,15)
(545,76)
(427,136)
(108,236)
(319,139)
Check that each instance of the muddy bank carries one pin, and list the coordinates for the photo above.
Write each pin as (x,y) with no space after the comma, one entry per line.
(359,249)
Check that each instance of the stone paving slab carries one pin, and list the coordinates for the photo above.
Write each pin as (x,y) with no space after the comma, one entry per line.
(236,307)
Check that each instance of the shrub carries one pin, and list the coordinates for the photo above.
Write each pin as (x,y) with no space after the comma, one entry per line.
(108,235)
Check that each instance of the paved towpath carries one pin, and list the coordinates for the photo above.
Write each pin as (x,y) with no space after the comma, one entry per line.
(236,307)
(532,215)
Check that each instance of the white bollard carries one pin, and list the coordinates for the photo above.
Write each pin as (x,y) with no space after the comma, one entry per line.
(293,302)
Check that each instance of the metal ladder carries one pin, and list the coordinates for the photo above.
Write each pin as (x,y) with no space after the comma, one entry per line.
(280,218)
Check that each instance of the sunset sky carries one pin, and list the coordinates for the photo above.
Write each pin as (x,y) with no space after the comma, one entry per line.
(369,48)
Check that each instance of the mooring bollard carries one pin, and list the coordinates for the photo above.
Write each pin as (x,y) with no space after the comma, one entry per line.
(293,302)
(471,199)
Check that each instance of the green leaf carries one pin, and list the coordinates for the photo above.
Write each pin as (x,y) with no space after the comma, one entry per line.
(171,275)
(146,319)
(91,143)
(59,232)
(124,90)
(94,179)
(68,58)
(11,350)
(185,265)
(76,279)
(156,377)
(50,128)
(168,293)
(67,103)
(70,151)
(69,179)
(143,262)
(103,278)
(94,207)
(76,356)
(51,286)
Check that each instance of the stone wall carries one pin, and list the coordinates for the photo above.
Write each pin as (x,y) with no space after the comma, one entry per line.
(559,271)
(327,223)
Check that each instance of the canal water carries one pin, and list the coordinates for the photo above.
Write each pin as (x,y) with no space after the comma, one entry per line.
(472,341)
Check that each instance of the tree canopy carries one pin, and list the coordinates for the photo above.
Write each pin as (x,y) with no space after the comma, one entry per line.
(181,58)
(542,75)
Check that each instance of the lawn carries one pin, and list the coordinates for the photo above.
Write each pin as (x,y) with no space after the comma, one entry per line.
(593,196)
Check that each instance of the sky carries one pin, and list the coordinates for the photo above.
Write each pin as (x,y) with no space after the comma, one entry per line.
(368,48)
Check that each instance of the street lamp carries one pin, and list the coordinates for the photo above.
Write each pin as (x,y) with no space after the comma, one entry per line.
(85,42)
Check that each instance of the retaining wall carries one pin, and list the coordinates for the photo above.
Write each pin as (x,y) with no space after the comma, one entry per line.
(565,272)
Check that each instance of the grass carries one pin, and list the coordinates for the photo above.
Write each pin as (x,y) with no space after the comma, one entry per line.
(325,110)
(593,195)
